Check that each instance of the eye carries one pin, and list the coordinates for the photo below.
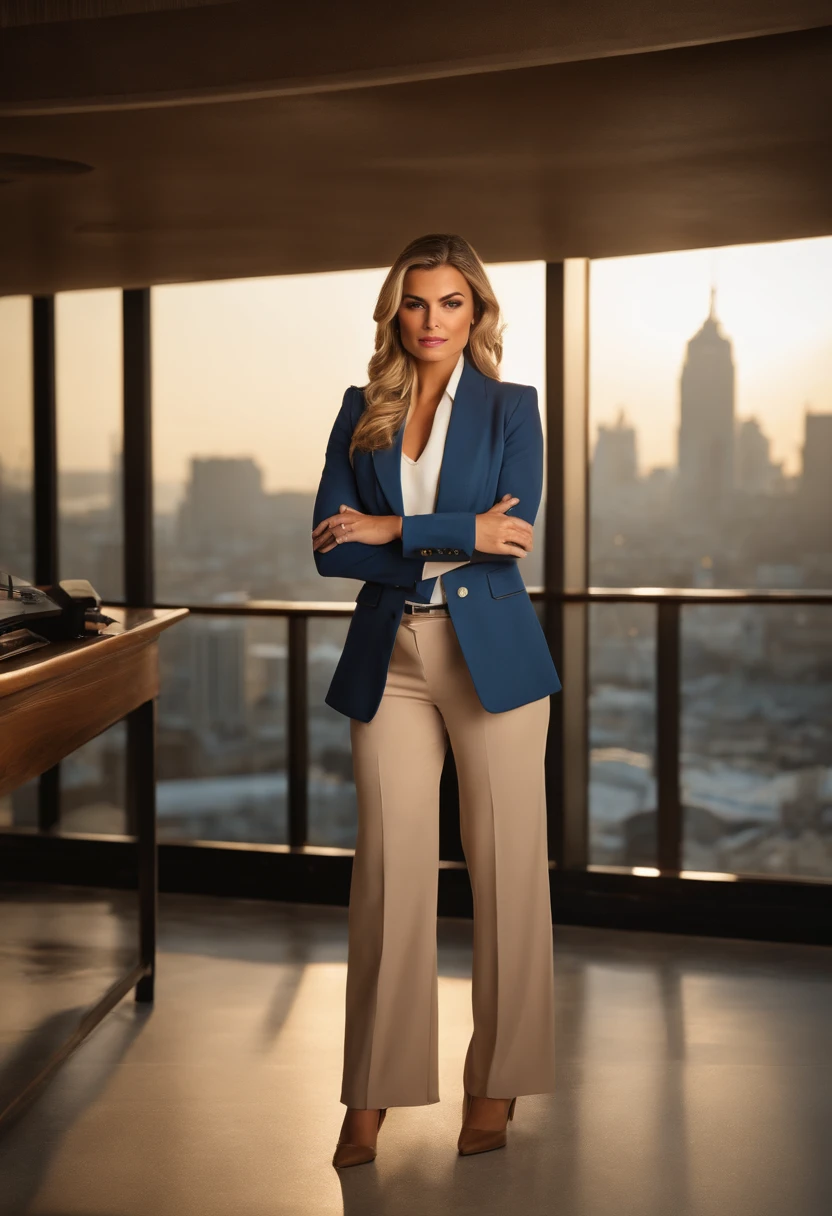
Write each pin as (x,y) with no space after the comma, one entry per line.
(454,303)
(411,304)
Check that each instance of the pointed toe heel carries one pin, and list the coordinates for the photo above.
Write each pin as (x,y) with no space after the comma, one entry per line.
(347,1154)
(352,1154)
(479,1139)
(475,1140)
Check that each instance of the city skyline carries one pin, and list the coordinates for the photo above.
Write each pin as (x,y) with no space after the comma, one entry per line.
(231,359)
(774,303)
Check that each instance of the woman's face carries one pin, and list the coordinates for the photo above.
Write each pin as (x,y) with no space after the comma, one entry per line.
(435,314)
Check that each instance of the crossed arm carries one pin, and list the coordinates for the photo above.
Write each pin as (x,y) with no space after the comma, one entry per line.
(397,562)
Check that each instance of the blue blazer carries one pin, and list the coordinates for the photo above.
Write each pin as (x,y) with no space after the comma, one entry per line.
(494,446)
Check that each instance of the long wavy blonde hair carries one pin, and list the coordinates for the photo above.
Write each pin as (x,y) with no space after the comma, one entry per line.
(391,369)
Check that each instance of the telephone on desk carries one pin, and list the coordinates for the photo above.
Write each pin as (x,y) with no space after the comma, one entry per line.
(69,609)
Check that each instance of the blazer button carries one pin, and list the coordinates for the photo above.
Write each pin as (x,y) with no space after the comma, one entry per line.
(462,592)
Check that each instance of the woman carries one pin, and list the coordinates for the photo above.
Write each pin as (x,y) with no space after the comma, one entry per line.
(436,458)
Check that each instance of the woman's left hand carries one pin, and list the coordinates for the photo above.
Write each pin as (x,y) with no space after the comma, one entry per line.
(353,525)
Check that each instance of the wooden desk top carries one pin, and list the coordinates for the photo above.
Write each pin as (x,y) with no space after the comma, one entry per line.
(131,627)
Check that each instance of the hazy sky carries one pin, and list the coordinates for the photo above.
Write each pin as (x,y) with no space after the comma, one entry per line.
(775,304)
(258,367)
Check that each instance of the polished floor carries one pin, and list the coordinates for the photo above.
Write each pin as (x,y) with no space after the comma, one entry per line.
(694,1076)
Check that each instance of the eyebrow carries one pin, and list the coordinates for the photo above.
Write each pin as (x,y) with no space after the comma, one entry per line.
(408,295)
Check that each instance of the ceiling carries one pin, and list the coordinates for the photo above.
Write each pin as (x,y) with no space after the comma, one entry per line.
(721,142)
(61,55)
(35,12)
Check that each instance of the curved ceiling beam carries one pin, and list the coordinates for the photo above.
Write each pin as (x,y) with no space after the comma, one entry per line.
(252,48)
(41,12)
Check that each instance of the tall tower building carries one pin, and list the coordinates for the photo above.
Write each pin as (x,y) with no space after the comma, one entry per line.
(706,424)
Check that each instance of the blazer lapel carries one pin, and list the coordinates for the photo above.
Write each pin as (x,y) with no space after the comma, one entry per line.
(387,463)
(467,432)
(467,429)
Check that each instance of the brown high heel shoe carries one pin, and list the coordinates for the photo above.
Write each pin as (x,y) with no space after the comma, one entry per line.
(481,1139)
(356,1154)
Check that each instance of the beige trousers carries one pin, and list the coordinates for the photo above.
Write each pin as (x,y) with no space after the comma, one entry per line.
(390,1045)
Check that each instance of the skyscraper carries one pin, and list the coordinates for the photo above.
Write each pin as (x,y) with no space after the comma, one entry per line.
(218,677)
(616,463)
(815,481)
(706,424)
(755,471)
(614,467)
(224,504)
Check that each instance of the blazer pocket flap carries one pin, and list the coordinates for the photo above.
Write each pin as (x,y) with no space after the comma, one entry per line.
(369,594)
(505,580)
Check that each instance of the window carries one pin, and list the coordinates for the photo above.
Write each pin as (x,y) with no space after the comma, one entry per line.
(757,739)
(622,734)
(247,379)
(16,487)
(221,761)
(88,395)
(248,376)
(711,444)
(88,389)
(711,418)
(16,456)
(333,812)
(520,288)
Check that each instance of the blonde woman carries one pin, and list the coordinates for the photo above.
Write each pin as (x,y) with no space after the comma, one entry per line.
(430,488)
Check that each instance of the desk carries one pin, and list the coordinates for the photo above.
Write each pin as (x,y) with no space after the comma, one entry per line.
(52,701)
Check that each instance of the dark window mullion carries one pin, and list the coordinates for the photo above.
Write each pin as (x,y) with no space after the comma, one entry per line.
(45,440)
(137,490)
(45,447)
(553,556)
(669,805)
(298,730)
(137,477)
(567,756)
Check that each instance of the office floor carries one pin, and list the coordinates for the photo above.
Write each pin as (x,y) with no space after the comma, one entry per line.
(695,1075)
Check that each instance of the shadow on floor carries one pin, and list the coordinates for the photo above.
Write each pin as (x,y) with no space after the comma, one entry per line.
(44,1121)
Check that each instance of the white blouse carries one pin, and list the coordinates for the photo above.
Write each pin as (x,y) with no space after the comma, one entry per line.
(420,479)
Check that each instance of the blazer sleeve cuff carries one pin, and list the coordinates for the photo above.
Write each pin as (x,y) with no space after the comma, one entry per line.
(442,534)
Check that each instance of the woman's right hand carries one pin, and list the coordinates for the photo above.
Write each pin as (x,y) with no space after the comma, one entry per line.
(499,533)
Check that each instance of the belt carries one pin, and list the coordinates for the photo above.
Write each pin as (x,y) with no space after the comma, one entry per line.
(426,608)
